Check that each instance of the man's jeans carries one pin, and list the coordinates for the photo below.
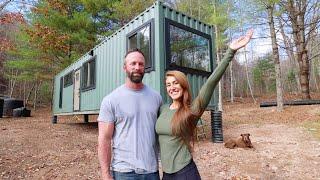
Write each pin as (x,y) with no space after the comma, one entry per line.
(134,176)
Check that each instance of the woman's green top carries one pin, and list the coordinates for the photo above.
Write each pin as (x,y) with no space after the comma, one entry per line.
(173,153)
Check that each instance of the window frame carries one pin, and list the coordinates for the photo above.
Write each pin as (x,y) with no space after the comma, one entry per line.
(93,86)
(68,83)
(171,66)
(61,92)
(149,23)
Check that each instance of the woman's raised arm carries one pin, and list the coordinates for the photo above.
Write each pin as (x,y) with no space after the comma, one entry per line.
(206,91)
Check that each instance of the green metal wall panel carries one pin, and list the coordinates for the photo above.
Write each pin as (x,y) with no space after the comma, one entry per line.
(55,98)
(67,98)
(109,69)
(196,81)
(110,56)
(67,101)
(160,53)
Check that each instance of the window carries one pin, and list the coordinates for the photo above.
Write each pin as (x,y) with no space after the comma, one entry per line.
(61,92)
(142,38)
(187,49)
(68,79)
(89,74)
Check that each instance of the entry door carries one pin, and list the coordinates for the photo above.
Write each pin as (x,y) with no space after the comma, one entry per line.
(76,92)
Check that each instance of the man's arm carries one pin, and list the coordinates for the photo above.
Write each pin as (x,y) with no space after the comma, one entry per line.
(104,148)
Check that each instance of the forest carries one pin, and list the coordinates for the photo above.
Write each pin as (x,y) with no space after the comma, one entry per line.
(39,38)
(281,63)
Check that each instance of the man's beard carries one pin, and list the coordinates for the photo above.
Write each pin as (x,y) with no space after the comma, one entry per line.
(135,78)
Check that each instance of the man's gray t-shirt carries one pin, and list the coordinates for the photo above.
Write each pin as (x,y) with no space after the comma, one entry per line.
(134,113)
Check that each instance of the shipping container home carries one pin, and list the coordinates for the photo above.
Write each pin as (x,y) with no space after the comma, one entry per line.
(169,40)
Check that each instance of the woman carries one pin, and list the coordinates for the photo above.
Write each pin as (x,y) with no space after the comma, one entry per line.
(177,121)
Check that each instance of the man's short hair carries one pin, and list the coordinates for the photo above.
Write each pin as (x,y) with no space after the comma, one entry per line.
(134,50)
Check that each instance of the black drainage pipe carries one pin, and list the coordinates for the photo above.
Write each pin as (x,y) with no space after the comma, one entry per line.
(291,103)
(216,126)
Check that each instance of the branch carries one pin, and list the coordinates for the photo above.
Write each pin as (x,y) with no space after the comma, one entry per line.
(314,24)
(4,4)
(315,46)
(2,85)
(314,56)
(285,48)
(308,35)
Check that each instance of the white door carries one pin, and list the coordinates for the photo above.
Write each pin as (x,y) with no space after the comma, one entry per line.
(76,92)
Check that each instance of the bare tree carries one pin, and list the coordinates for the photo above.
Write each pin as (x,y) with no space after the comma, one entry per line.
(231,83)
(304,18)
(288,46)
(247,75)
(275,53)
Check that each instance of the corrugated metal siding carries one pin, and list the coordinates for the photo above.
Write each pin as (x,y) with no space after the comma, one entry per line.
(55,98)
(67,101)
(110,57)
(196,81)
(109,71)
(67,97)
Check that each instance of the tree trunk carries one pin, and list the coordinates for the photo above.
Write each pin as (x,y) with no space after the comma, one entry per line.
(275,53)
(314,74)
(29,94)
(12,82)
(51,93)
(247,75)
(293,62)
(24,93)
(220,108)
(36,91)
(231,83)
(313,64)
(297,15)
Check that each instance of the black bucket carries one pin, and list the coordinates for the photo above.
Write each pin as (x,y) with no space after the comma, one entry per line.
(216,126)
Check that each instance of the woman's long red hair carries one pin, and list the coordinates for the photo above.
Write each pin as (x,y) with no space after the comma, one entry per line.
(183,124)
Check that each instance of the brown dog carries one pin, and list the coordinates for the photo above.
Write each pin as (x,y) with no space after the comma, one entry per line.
(242,142)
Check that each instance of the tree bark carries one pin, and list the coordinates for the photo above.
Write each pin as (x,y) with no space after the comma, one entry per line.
(275,53)
(296,11)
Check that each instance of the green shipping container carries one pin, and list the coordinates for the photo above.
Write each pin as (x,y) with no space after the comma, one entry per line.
(169,39)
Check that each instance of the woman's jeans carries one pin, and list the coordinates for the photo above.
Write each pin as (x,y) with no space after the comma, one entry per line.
(190,172)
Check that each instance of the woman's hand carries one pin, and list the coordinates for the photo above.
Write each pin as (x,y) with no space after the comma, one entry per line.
(241,41)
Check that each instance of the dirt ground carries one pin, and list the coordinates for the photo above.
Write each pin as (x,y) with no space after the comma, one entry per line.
(287,145)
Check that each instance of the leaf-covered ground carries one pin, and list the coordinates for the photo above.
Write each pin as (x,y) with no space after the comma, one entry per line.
(287,146)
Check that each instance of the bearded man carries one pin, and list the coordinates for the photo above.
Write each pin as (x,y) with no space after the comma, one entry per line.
(127,147)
